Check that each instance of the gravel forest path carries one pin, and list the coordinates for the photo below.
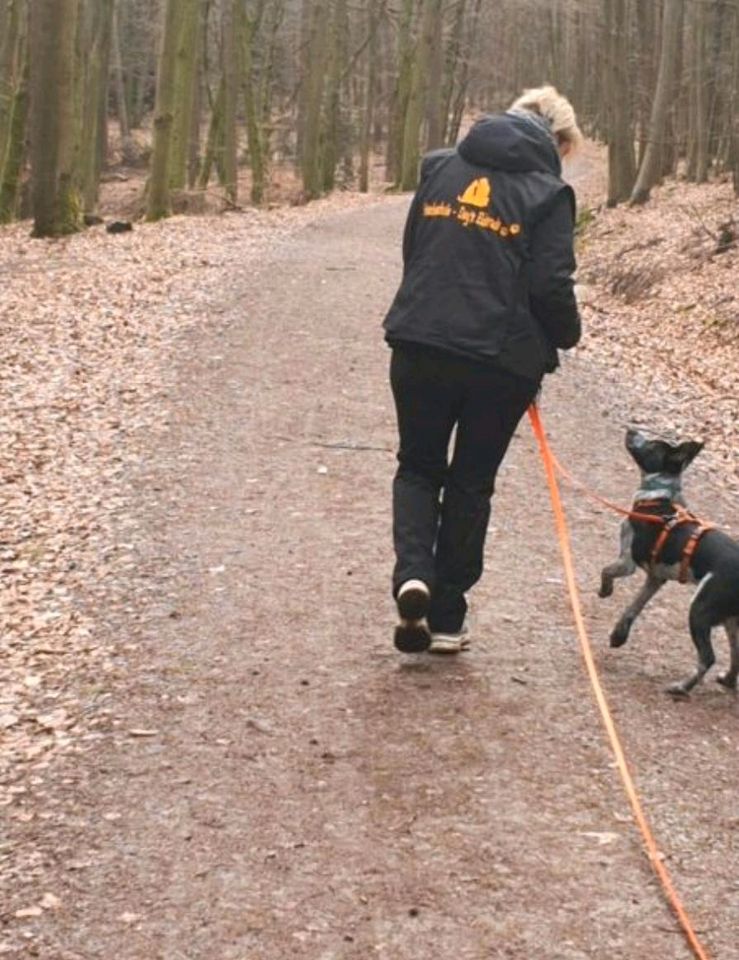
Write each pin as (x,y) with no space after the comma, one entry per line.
(276,781)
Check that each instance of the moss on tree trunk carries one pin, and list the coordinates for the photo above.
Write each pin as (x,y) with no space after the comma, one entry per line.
(11,40)
(10,170)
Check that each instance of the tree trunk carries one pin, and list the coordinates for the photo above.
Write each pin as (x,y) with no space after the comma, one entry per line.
(230,101)
(214,145)
(121,106)
(435,102)
(417,97)
(11,39)
(186,76)
(332,121)
(10,170)
(673,140)
(556,43)
(460,100)
(94,57)
(307,13)
(159,202)
(453,53)
(647,16)
(621,161)
(699,96)
(368,116)
(251,107)
(650,166)
(401,94)
(193,146)
(310,159)
(53,28)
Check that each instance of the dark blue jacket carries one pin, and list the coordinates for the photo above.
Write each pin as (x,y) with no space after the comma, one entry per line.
(488,250)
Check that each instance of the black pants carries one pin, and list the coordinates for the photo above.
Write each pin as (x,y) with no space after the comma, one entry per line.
(441,509)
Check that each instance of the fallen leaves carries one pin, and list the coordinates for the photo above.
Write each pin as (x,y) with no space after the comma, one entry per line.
(27,913)
(49,901)
(90,331)
(661,312)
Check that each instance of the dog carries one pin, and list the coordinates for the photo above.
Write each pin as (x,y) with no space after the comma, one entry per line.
(669,543)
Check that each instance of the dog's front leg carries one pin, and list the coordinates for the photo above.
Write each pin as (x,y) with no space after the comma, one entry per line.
(623,567)
(621,631)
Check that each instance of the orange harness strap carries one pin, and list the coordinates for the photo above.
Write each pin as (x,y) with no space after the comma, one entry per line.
(681,517)
(690,547)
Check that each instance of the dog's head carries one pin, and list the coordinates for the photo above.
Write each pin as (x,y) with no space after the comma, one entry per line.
(661,463)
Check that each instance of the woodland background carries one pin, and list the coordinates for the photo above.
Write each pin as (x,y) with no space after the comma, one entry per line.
(212,98)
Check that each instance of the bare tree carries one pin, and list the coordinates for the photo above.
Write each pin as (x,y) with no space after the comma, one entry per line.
(92,72)
(159,202)
(231,86)
(649,170)
(14,110)
(54,143)
(371,84)
(186,80)
(620,131)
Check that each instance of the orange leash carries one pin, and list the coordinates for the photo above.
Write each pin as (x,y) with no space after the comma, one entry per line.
(650,843)
(632,514)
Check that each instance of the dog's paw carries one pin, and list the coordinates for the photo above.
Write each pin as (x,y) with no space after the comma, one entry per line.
(606,589)
(727,680)
(620,635)
(678,691)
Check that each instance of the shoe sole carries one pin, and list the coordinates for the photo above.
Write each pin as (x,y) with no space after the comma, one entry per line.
(412,637)
(413,603)
(448,647)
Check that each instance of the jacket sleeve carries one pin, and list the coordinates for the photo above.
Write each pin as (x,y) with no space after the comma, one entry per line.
(408,233)
(551,281)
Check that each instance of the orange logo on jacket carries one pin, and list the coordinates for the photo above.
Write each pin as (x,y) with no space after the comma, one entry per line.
(478,194)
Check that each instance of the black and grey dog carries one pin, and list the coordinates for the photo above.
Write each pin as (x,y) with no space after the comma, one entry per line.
(667,542)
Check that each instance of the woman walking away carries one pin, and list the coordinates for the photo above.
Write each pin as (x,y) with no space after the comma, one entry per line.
(485,302)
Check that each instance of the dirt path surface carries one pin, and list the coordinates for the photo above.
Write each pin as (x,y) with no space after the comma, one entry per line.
(269,779)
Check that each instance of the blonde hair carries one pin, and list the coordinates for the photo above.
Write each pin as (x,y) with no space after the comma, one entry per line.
(556,109)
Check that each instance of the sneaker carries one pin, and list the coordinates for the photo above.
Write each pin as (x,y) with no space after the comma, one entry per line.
(450,642)
(413,600)
(412,634)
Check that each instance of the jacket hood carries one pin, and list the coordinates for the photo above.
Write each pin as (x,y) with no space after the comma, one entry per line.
(517,142)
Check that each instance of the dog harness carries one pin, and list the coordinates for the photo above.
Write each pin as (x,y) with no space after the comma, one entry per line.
(679,519)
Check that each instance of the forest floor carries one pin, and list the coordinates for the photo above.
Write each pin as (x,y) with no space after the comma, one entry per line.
(209,748)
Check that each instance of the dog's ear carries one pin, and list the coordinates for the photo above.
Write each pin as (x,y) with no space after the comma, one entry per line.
(649,454)
(635,442)
(683,455)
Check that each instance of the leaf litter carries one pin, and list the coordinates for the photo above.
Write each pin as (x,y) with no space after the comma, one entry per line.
(661,312)
(90,327)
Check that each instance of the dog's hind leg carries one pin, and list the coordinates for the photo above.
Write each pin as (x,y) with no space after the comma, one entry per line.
(728,679)
(700,631)
(621,631)
(623,567)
